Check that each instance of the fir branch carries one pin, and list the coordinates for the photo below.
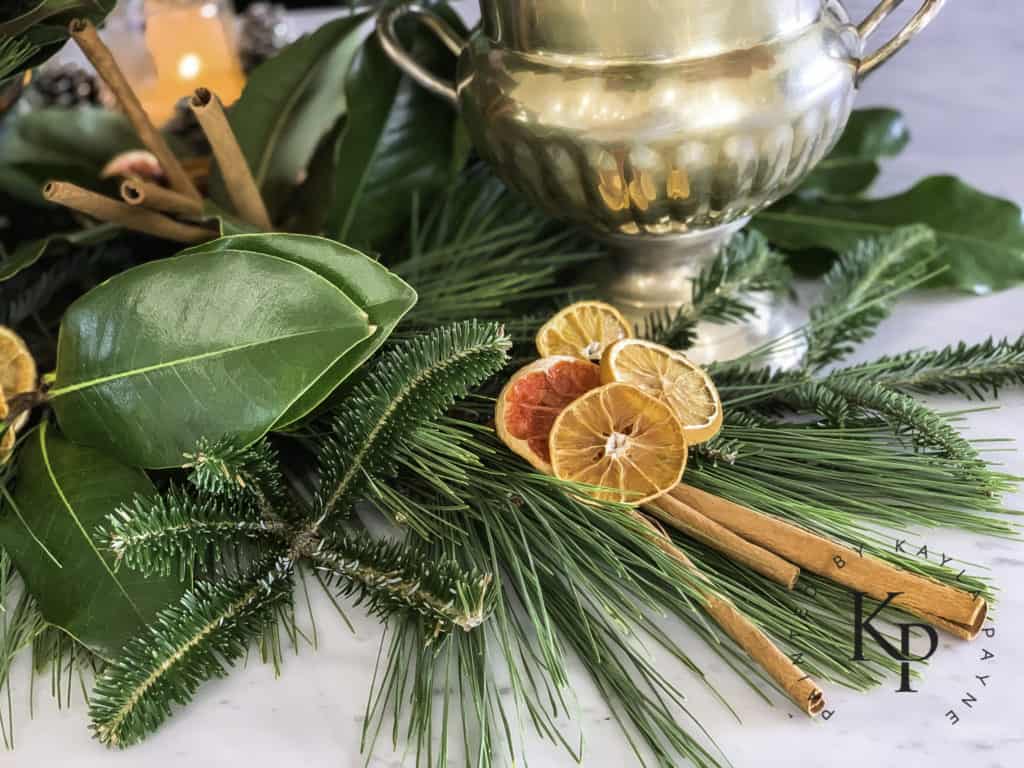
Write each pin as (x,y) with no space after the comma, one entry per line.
(224,468)
(927,429)
(408,386)
(208,630)
(860,288)
(391,578)
(970,370)
(181,531)
(747,264)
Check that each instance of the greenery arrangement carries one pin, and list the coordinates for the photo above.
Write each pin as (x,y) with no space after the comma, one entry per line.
(222,420)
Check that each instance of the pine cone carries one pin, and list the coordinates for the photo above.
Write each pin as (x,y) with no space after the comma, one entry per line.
(264,31)
(185,127)
(64,85)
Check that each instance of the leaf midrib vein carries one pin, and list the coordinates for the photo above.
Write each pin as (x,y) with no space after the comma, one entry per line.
(78,523)
(180,361)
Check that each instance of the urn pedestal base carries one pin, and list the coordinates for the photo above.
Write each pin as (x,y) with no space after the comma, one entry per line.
(656,274)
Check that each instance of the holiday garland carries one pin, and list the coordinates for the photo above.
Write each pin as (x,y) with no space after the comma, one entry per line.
(303,382)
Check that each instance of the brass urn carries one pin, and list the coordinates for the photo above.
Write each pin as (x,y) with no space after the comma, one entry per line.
(661,126)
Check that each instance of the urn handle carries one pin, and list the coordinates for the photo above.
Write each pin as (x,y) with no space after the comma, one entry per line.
(393,47)
(928,11)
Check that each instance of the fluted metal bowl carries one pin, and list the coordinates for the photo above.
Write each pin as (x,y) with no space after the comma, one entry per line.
(662,125)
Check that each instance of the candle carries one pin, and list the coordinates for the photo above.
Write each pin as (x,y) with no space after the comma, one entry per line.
(189,43)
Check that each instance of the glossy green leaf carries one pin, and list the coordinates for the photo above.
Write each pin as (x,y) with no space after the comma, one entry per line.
(198,345)
(398,140)
(56,143)
(62,493)
(384,296)
(852,166)
(980,237)
(308,207)
(29,252)
(227,224)
(289,103)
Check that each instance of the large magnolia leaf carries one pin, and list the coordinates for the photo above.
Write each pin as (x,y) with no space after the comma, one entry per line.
(62,493)
(398,140)
(289,103)
(852,165)
(384,296)
(980,238)
(57,143)
(199,345)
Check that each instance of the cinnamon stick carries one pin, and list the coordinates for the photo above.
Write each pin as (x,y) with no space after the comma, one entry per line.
(800,688)
(149,195)
(956,611)
(241,186)
(128,216)
(688,520)
(84,33)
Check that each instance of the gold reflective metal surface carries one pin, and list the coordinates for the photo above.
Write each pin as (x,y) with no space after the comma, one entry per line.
(660,125)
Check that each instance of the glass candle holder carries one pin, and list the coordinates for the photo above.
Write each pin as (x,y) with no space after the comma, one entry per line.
(168,48)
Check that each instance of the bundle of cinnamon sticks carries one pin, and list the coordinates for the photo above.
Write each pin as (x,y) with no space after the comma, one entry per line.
(779,550)
(173,212)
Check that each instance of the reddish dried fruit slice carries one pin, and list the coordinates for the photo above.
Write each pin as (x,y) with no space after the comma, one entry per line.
(533,398)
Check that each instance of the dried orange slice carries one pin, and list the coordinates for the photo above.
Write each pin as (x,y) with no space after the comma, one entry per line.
(17,366)
(7,438)
(532,400)
(672,378)
(584,330)
(621,439)
(17,376)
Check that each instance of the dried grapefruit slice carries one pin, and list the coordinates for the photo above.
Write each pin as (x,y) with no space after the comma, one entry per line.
(672,378)
(621,439)
(584,330)
(532,400)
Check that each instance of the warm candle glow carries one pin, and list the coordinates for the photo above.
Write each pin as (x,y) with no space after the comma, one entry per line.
(189,45)
(189,66)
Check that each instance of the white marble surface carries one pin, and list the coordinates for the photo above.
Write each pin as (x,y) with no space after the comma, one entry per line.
(960,87)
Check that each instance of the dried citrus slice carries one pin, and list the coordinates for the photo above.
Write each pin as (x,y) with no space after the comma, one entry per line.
(532,400)
(7,438)
(17,366)
(584,330)
(671,377)
(621,439)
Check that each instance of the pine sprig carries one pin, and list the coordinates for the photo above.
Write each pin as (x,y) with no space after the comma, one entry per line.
(180,531)
(975,371)
(390,578)
(721,293)
(197,639)
(408,386)
(482,253)
(14,53)
(860,289)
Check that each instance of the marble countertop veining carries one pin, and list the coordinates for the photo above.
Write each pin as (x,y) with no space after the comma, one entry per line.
(960,86)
